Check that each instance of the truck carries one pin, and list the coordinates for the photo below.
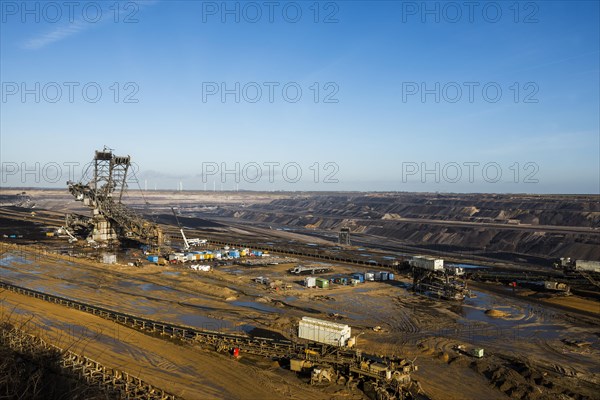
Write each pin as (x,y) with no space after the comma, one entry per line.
(309,269)
(558,286)
(262,280)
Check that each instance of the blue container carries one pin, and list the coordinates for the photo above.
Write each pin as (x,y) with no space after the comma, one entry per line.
(359,277)
(390,277)
(153,258)
(383,276)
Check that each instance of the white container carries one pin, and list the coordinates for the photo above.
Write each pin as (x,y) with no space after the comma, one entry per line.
(590,266)
(109,258)
(429,263)
(310,281)
(204,268)
(320,331)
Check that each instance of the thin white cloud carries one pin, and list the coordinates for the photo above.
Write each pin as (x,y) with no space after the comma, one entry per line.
(55,35)
(73,28)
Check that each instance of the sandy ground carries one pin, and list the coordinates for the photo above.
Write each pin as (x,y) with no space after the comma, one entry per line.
(191,373)
(576,303)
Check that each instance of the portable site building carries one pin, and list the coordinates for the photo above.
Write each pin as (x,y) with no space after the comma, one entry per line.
(321,331)
(322,283)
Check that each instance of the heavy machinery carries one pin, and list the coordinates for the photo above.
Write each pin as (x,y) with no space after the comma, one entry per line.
(186,244)
(431,277)
(309,269)
(111,220)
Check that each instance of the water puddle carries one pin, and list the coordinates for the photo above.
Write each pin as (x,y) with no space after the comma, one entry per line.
(256,306)
(468,266)
(517,321)
(8,259)
(146,287)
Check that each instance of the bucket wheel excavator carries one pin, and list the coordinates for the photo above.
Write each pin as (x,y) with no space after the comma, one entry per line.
(111,220)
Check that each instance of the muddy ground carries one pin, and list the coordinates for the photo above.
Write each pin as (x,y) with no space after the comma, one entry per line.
(535,345)
(527,354)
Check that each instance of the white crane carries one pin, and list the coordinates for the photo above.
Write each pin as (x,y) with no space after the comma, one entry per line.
(72,239)
(186,245)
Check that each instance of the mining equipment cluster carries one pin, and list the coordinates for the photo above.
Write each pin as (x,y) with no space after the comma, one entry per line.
(431,276)
(590,270)
(111,221)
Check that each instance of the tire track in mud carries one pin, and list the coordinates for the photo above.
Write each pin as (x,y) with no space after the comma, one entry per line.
(564,359)
(403,322)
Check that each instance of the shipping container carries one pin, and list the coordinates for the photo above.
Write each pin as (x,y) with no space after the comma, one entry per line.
(326,332)
(390,276)
(383,276)
(310,281)
(204,268)
(109,258)
(153,259)
(477,352)
(359,277)
(322,283)
(369,276)
(177,257)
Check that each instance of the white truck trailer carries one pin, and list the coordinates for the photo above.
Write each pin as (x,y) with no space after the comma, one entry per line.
(309,269)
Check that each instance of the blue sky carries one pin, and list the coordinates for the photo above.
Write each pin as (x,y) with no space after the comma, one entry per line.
(367,127)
